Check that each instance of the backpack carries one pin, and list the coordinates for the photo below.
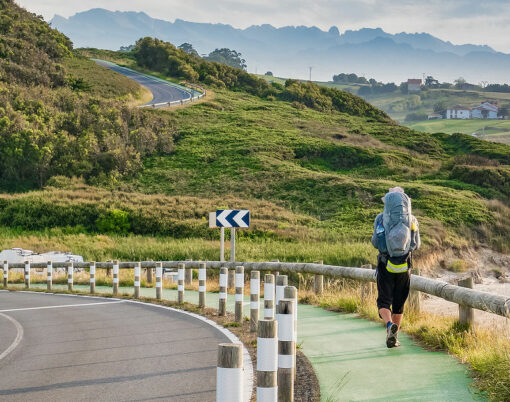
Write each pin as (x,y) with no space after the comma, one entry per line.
(397,220)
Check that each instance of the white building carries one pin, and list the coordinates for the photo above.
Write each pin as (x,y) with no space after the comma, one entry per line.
(486,110)
(458,112)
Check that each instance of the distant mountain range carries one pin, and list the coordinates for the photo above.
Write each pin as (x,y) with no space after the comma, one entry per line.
(290,51)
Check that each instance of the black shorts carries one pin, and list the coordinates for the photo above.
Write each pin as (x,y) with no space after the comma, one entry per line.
(392,289)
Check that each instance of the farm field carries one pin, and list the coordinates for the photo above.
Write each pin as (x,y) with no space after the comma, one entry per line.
(496,131)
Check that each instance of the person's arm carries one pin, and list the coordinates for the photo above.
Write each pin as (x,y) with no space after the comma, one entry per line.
(377,220)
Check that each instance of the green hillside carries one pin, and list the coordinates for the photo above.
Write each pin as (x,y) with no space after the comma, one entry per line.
(311,162)
(496,130)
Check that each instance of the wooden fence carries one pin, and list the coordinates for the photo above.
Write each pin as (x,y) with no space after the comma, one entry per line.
(465,297)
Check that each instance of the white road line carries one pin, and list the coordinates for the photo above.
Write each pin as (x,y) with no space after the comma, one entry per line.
(16,341)
(60,306)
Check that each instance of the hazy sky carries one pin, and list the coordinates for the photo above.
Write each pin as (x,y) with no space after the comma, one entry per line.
(459,21)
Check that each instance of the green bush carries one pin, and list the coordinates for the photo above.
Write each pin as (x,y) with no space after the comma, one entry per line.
(114,221)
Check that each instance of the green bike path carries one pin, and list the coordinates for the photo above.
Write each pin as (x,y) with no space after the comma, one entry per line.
(350,357)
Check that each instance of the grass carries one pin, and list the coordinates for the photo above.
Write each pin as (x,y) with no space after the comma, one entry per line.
(101,81)
(140,248)
(497,130)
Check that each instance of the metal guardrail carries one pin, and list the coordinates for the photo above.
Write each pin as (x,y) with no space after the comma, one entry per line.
(484,301)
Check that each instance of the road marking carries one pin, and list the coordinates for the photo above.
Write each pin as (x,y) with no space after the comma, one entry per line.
(60,306)
(16,341)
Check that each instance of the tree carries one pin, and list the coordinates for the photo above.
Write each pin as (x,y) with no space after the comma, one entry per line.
(403,87)
(440,107)
(229,57)
(188,48)
(431,82)
(460,83)
(504,110)
(269,73)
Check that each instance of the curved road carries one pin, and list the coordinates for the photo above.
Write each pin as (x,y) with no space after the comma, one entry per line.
(83,349)
(163,92)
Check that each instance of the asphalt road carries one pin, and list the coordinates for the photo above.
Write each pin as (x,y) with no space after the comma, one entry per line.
(90,349)
(162,92)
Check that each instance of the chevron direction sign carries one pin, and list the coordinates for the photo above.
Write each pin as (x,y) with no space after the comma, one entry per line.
(232,218)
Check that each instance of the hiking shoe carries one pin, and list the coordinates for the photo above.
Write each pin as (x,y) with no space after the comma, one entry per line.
(391,336)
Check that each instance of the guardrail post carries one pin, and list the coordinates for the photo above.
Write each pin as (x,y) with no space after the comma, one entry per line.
(239,293)
(92,270)
(269,296)
(231,279)
(115,277)
(136,283)
(70,272)
(290,292)
(180,283)
(267,361)
(222,308)
(6,274)
(254,300)
(49,275)
(159,280)
(415,296)
(189,275)
(281,282)
(229,373)
(286,346)
(366,287)
(149,274)
(318,282)
(202,278)
(466,314)
(27,274)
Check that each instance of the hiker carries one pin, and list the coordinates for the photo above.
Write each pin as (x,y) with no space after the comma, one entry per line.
(396,236)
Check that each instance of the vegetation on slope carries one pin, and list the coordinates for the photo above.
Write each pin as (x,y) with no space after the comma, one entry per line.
(62,114)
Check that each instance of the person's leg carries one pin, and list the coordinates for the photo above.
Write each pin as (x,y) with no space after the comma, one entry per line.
(385,287)
(401,293)
(386,315)
(397,318)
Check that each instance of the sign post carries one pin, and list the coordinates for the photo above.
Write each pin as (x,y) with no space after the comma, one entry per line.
(229,218)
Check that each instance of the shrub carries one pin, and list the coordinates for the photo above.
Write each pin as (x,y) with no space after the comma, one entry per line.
(458,266)
(114,221)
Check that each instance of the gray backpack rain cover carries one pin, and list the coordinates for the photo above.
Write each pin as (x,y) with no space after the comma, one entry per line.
(397,223)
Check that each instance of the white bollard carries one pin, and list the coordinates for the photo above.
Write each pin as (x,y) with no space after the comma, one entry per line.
(229,373)
(269,296)
(49,275)
(6,273)
(27,274)
(239,297)
(222,308)
(267,361)
(286,347)
(202,277)
(115,277)
(281,282)
(254,300)
(180,283)
(92,269)
(291,293)
(159,280)
(138,274)
(70,272)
